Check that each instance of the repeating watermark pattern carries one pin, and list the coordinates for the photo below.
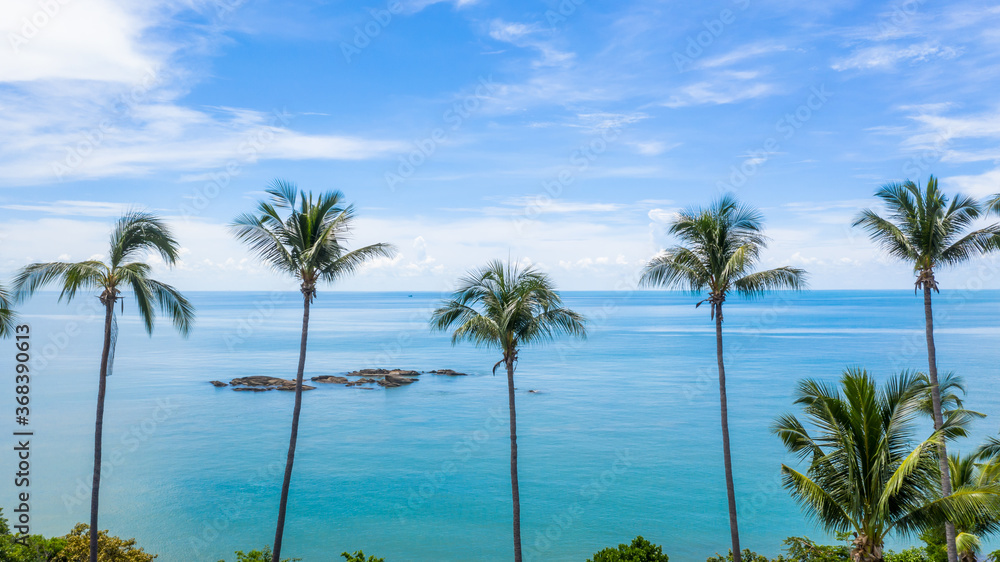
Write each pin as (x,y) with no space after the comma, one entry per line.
(32,25)
(249,150)
(462,453)
(254,320)
(129,441)
(563,11)
(786,127)
(589,494)
(890,24)
(213,526)
(713,28)
(454,117)
(93,138)
(364,34)
(580,160)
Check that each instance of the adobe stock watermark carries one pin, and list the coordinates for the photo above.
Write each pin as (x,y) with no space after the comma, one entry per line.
(129,441)
(378,20)
(212,527)
(786,127)
(581,159)
(92,139)
(713,29)
(589,493)
(454,117)
(249,151)
(32,25)
(901,13)
(462,453)
(563,11)
(262,311)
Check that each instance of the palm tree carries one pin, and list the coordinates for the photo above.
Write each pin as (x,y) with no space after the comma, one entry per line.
(135,235)
(865,474)
(720,248)
(969,472)
(7,316)
(924,229)
(506,307)
(308,245)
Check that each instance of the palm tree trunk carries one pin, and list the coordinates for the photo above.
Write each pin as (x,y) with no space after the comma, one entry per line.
(95,489)
(949,527)
(734,529)
(515,496)
(280,529)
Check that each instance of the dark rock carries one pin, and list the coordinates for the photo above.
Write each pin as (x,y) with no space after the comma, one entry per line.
(383,372)
(392,381)
(266,383)
(331,379)
(448,373)
(252,389)
(218,383)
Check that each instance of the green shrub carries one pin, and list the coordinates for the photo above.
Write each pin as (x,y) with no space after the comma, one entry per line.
(802,549)
(109,549)
(263,555)
(748,556)
(640,550)
(913,554)
(359,556)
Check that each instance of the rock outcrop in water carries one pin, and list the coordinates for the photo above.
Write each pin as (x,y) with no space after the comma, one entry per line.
(331,379)
(387,378)
(261,383)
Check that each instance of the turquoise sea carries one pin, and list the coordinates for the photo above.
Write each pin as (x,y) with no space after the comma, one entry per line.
(622,437)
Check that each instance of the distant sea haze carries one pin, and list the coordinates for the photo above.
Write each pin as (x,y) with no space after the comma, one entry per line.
(620,439)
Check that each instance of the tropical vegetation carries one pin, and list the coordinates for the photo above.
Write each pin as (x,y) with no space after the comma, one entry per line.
(640,550)
(928,230)
(865,474)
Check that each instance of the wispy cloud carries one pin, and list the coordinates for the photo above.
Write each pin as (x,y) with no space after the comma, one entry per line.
(886,57)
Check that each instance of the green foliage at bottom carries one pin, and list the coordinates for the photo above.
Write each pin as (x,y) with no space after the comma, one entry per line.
(359,556)
(262,555)
(640,550)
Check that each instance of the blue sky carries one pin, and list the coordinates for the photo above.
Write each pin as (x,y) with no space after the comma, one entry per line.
(564,133)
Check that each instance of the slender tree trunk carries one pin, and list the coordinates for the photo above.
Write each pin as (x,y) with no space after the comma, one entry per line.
(95,489)
(949,527)
(734,529)
(515,496)
(280,529)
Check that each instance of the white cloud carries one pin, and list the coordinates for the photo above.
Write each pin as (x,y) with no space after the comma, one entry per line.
(723,88)
(73,208)
(883,57)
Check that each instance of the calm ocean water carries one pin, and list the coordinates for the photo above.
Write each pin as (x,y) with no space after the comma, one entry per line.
(621,438)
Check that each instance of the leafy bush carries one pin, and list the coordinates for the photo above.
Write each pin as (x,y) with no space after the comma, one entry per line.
(29,549)
(359,556)
(263,555)
(109,549)
(640,550)
(914,554)
(802,549)
(748,556)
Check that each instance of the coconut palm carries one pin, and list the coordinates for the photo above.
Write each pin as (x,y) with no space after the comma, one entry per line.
(507,307)
(7,316)
(308,245)
(135,236)
(922,228)
(865,473)
(719,251)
